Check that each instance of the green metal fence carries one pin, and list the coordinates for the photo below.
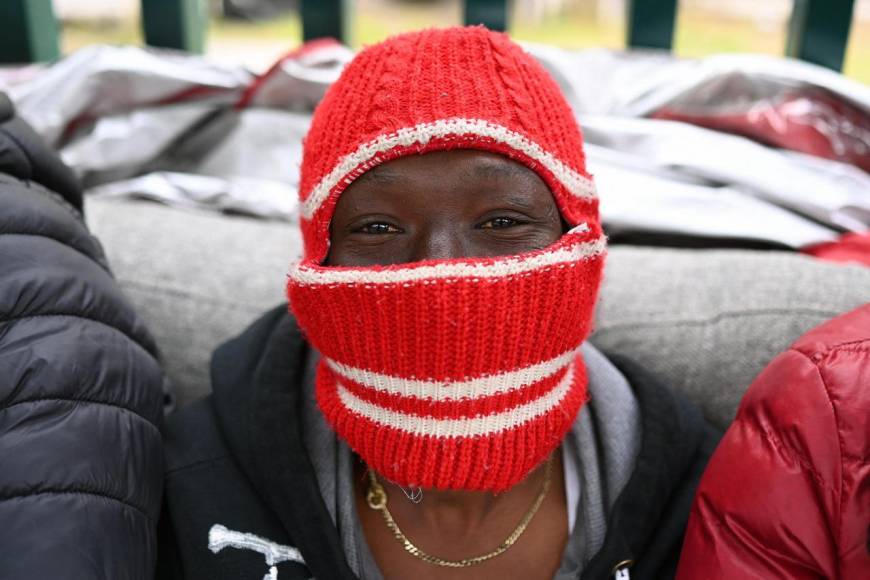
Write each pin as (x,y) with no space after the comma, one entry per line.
(818,29)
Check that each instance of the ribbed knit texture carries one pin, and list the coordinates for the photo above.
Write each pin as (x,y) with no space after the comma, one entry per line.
(454,374)
(452,381)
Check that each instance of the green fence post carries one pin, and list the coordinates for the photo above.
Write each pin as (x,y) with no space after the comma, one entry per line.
(819,31)
(28,31)
(491,13)
(326,19)
(179,24)
(650,23)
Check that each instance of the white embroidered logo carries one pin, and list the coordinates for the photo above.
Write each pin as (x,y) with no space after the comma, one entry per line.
(219,537)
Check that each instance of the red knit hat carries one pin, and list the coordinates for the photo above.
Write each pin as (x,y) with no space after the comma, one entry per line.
(464,373)
(454,88)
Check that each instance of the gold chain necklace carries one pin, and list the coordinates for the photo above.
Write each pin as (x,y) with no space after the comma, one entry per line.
(376,497)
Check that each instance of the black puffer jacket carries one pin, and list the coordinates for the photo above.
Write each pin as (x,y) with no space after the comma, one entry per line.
(80,388)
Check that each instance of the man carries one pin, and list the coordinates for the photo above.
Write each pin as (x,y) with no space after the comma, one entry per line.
(429,409)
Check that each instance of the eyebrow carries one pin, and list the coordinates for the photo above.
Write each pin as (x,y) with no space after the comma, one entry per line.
(519,202)
(380,174)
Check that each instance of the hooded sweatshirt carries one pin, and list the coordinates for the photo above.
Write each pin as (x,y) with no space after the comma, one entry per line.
(243,498)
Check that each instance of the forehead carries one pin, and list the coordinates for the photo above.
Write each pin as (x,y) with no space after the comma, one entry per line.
(454,175)
(468,163)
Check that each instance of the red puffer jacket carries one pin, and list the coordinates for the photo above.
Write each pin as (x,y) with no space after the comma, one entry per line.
(787,493)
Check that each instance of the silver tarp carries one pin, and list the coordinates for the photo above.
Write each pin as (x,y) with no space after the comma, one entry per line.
(736,147)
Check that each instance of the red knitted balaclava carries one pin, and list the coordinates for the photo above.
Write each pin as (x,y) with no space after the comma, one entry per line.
(461,373)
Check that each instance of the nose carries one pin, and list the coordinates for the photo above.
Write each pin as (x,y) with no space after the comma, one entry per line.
(440,242)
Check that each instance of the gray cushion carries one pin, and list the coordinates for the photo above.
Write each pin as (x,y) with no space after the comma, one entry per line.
(196,278)
(705,322)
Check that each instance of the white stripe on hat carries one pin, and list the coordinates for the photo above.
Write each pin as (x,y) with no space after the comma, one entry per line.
(465,427)
(577,184)
(434,390)
(497,268)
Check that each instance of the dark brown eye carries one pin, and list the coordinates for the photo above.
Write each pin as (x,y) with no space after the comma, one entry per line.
(499,223)
(378,228)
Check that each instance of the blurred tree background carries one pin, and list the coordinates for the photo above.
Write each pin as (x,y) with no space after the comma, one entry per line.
(256,32)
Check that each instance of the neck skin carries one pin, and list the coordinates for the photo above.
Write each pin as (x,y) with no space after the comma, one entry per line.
(466,514)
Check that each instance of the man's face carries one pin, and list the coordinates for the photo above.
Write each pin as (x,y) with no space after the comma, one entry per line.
(441,205)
